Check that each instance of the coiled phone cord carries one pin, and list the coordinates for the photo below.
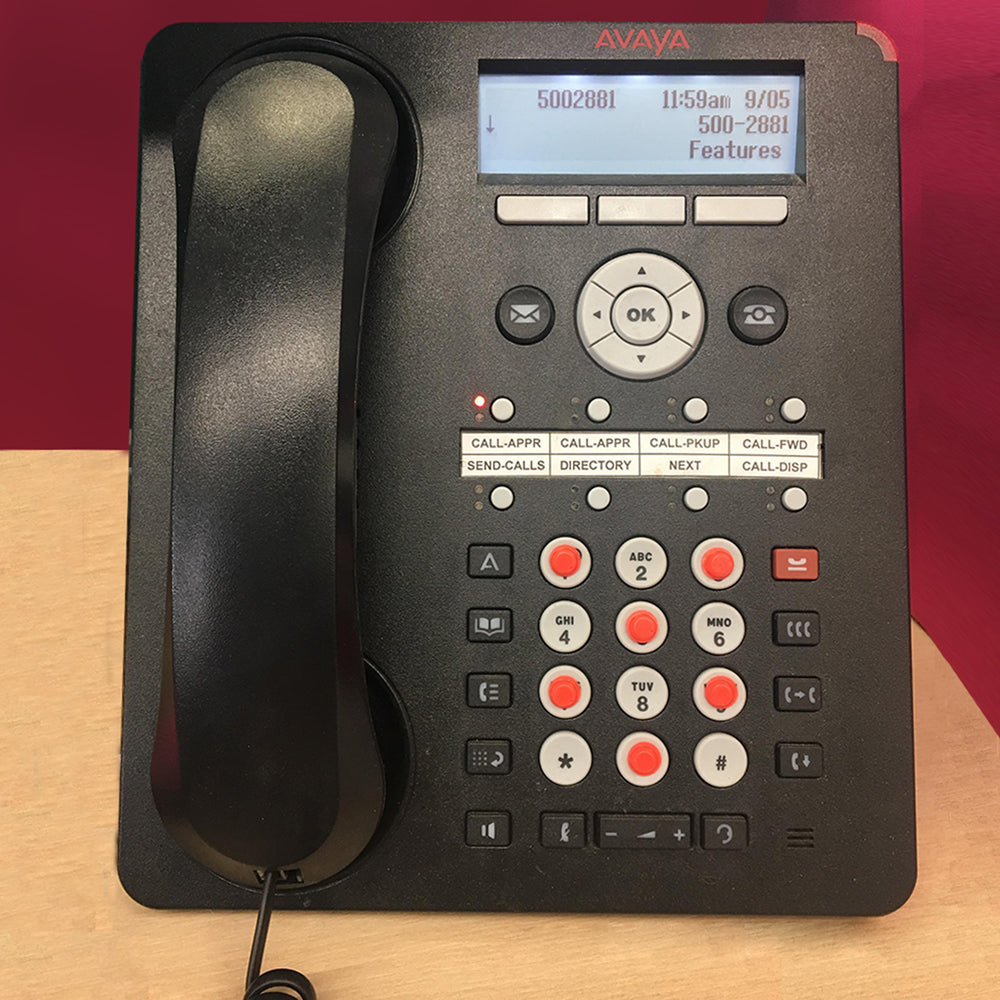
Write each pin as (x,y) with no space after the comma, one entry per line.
(276,982)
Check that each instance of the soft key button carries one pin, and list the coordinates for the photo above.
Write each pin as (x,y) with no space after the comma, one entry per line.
(641,627)
(642,692)
(717,563)
(528,209)
(634,210)
(565,562)
(740,210)
(719,693)
(564,626)
(718,628)
(642,759)
(564,691)
(641,562)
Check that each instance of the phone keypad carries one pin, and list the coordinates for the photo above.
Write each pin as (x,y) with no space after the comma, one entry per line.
(643,758)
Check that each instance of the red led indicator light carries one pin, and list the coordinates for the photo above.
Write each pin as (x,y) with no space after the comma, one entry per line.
(479,402)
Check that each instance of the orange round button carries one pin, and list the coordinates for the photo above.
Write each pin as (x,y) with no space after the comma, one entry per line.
(564,692)
(565,560)
(717,563)
(642,626)
(721,692)
(644,758)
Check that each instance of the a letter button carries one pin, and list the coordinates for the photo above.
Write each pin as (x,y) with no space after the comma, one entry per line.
(718,628)
(487,829)
(564,626)
(491,560)
(724,833)
(796,628)
(488,691)
(487,756)
(798,694)
(564,830)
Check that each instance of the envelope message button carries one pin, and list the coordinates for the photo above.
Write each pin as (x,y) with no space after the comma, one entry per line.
(521,312)
(524,314)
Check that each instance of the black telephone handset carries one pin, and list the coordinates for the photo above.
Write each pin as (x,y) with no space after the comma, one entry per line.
(265,756)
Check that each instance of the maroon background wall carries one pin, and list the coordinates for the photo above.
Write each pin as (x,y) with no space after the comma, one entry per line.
(68,120)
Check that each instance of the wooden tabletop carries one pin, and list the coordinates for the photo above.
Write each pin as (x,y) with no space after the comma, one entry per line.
(67,928)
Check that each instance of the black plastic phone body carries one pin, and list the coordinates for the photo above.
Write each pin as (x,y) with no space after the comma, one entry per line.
(840,842)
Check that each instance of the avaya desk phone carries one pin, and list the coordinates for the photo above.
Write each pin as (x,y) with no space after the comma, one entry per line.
(517,509)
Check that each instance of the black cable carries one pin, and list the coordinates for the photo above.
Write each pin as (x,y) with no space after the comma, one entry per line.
(276,982)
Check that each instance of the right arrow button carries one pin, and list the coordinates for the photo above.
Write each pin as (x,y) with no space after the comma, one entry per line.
(687,314)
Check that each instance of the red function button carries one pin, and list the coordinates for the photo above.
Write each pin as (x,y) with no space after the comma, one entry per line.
(642,626)
(644,759)
(565,560)
(795,564)
(564,692)
(721,692)
(718,563)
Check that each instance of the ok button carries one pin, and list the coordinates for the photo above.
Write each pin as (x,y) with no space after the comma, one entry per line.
(640,315)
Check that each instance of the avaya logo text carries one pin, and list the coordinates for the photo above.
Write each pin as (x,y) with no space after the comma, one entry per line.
(644,38)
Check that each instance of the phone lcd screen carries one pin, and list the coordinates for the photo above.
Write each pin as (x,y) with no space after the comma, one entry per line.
(637,124)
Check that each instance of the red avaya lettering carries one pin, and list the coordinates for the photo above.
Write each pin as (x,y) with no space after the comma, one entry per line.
(605,40)
(679,41)
(642,40)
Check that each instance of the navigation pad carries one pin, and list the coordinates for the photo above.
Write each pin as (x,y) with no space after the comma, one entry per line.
(640,315)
